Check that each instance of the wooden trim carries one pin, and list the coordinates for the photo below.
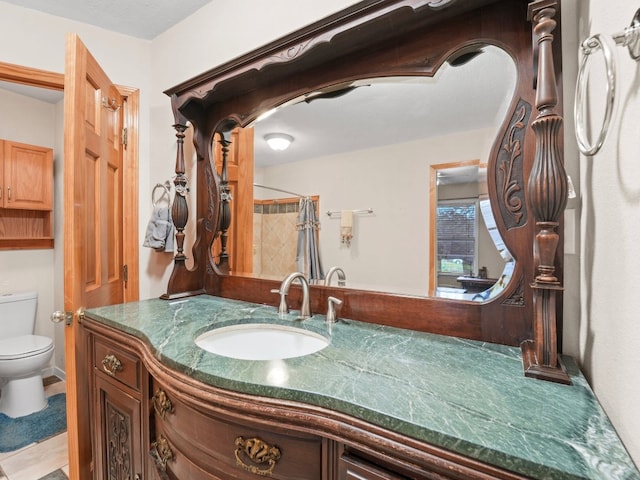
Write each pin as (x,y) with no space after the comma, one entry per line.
(25,243)
(285,200)
(31,76)
(130,192)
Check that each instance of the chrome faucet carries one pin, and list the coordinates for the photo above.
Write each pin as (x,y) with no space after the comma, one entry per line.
(283,308)
(331,309)
(341,276)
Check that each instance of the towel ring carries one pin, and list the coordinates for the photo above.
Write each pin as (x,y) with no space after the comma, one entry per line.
(165,191)
(589,46)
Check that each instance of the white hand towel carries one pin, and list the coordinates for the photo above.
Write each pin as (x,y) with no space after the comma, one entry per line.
(346,227)
(346,219)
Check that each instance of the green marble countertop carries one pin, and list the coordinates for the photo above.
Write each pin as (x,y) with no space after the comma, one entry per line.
(466,396)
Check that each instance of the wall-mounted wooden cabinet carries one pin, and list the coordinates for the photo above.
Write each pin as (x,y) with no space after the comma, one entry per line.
(26,196)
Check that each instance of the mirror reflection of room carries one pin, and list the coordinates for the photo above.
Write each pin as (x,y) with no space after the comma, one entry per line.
(372,147)
(469,260)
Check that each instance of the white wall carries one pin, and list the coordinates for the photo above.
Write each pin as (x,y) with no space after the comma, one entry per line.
(23,119)
(609,331)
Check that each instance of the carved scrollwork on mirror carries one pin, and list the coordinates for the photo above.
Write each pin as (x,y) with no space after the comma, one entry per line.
(377,39)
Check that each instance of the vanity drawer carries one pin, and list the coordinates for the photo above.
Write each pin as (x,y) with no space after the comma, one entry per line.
(117,363)
(350,468)
(227,449)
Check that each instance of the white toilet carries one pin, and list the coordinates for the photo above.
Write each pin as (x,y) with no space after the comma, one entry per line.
(22,356)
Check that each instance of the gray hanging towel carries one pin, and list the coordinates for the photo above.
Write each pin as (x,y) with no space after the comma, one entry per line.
(308,251)
(160,230)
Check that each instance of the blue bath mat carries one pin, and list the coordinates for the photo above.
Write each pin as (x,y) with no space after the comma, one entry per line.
(16,433)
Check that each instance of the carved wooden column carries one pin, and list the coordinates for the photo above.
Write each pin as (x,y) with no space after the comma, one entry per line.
(225,199)
(547,195)
(180,209)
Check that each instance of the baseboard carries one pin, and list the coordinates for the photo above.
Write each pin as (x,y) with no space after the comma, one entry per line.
(55,371)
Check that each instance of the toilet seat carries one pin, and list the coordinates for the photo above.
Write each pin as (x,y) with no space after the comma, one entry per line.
(24,346)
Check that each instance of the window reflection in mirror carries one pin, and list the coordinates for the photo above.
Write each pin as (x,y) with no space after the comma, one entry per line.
(373,147)
(469,261)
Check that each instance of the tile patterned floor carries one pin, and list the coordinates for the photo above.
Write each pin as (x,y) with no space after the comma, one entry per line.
(46,460)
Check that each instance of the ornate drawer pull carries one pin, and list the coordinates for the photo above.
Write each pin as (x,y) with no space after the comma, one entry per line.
(161,403)
(162,452)
(111,364)
(258,452)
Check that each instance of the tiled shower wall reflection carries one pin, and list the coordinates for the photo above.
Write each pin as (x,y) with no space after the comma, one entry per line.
(275,238)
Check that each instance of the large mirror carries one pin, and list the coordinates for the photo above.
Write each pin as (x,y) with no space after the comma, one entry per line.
(484,114)
(365,151)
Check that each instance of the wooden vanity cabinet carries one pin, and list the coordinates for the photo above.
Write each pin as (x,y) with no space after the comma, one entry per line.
(26,196)
(199,442)
(150,421)
(119,411)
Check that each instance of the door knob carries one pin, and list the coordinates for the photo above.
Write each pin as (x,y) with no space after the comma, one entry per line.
(59,315)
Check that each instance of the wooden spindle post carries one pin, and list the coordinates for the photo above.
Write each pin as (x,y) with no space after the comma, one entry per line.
(225,200)
(180,209)
(547,195)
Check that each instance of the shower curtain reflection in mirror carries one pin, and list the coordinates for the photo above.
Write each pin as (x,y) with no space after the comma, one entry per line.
(276,234)
(308,251)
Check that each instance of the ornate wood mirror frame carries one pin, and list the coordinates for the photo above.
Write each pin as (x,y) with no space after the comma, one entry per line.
(526,180)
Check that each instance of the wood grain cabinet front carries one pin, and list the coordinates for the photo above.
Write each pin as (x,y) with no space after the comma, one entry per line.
(208,445)
(26,196)
(119,412)
(350,468)
(154,422)
(121,365)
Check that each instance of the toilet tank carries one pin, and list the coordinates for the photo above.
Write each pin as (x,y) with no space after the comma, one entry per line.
(17,314)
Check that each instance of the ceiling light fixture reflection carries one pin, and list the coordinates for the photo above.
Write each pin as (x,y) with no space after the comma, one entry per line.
(278,141)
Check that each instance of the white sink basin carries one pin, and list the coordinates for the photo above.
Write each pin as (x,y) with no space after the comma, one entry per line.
(261,341)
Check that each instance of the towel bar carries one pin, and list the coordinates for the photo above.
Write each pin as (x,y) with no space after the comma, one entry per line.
(336,214)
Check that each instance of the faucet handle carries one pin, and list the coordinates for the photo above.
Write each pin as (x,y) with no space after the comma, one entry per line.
(283,308)
(331,309)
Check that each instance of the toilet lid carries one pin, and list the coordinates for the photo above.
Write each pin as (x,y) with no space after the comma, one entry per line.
(24,346)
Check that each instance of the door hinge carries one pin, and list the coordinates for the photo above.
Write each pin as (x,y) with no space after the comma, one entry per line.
(124,136)
(125,273)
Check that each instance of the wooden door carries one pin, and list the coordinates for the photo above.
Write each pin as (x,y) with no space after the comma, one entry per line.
(98,240)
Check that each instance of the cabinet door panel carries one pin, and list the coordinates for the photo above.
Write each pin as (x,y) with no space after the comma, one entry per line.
(28,179)
(118,453)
